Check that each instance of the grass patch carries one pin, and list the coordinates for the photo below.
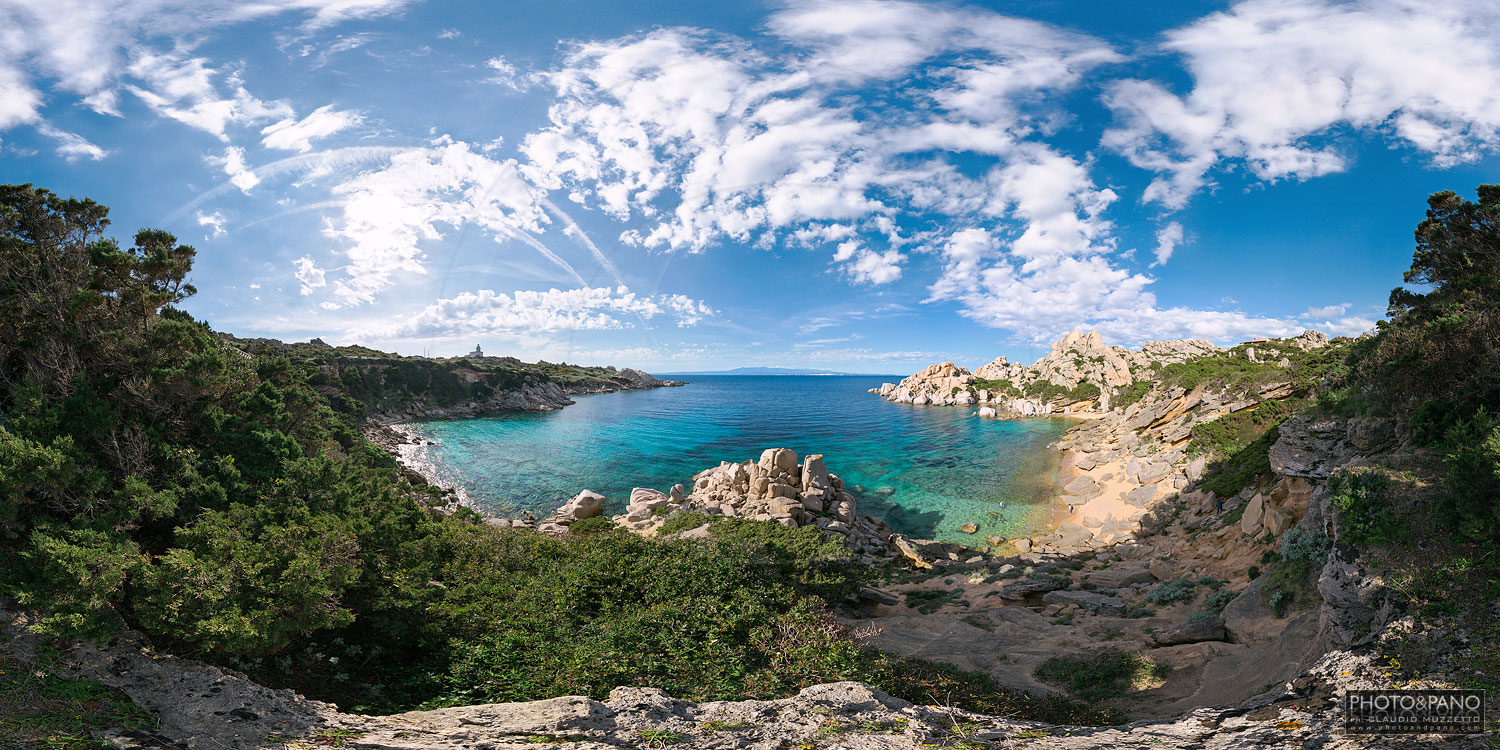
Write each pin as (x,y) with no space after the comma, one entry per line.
(929,601)
(1127,395)
(40,709)
(1105,676)
(595,525)
(683,522)
(658,737)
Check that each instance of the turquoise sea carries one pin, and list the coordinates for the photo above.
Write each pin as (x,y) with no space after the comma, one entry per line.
(925,469)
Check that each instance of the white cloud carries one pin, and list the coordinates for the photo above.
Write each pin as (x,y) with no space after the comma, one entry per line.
(1167,240)
(388,213)
(215,221)
(705,138)
(1272,79)
(505,74)
(72,146)
(234,166)
(81,47)
(522,312)
(297,135)
(19,102)
(309,275)
(1330,311)
(867,266)
(183,88)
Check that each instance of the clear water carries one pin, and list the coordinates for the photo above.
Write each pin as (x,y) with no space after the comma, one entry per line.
(926,470)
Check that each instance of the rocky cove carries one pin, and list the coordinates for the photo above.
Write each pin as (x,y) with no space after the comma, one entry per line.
(1142,561)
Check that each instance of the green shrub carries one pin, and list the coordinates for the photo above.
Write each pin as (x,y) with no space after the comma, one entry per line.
(593,525)
(1172,592)
(1217,601)
(1126,395)
(1002,387)
(1290,584)
(1308,546)
(928,601)
(1104,676)
(1471,460)
(1362,499)
(683,521)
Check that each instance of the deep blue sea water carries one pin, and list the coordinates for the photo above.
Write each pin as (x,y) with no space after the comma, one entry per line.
(925,469)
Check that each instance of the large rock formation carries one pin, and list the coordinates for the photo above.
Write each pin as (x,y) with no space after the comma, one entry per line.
(776,487)
(943,384)
(1075,360)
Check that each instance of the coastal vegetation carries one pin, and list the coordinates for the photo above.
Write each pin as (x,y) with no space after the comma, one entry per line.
(217,496)
(361,381)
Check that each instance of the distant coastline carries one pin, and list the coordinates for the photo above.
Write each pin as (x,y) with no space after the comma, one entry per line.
(783,371)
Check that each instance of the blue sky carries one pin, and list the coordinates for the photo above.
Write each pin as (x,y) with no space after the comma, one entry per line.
(856,184)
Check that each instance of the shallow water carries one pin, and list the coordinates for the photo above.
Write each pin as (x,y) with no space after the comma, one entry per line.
(925,469)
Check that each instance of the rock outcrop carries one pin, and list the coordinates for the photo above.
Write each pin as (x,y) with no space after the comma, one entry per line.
(1077,359)
(776,487)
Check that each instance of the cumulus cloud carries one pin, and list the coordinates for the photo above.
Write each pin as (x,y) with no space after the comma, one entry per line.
(550,311)
(868,266)
(234,166)
(297,135)
(699,139)
(309,275)
(707,138)
(1329,311)
(215,222)
(1167,240)
(1272,79)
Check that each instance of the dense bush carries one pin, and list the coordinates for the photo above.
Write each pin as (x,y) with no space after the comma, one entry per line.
(1305,545)
(1126,395)
(1362,499)
(1101,677)
(154,476)
(1001,387)
(1173,592)
(592,525)
(1437,353)
(1471,454)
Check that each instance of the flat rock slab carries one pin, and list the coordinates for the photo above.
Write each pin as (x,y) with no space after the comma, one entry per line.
(1197,631)
(1024,588)
(1109,606)
(1117,578)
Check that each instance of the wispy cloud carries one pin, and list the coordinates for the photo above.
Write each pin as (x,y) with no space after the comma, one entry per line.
(1272,76)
